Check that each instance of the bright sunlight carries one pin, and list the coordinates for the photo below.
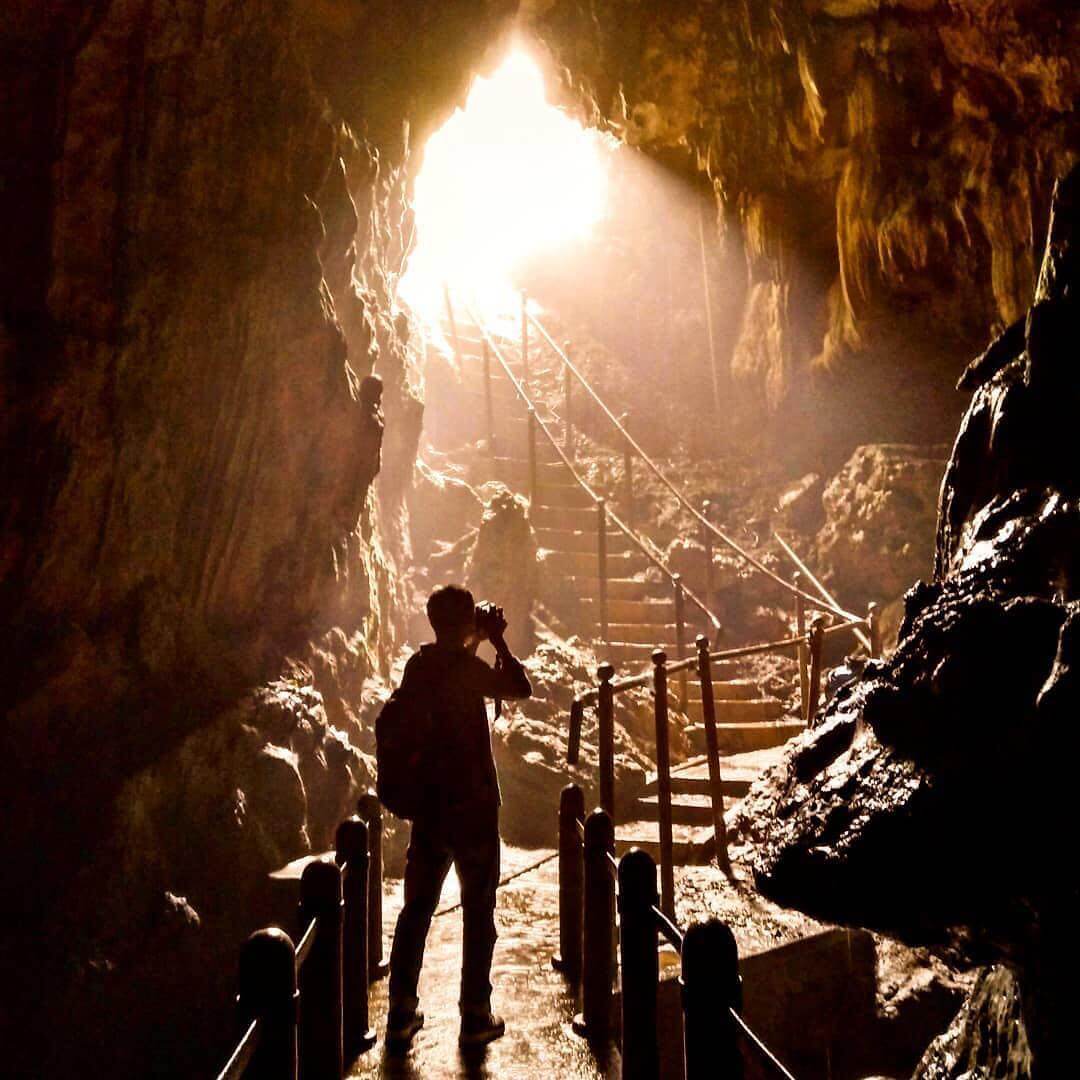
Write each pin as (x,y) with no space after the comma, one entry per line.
(506,178)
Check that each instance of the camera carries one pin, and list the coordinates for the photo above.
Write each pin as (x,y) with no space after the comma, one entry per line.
(490,621)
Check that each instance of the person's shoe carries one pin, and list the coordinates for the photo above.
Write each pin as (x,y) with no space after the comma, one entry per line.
(402,1025)
(477,1029)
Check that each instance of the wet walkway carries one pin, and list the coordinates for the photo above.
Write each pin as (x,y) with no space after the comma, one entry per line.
(528,992)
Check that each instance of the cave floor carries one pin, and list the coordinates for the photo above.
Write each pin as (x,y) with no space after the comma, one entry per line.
(531,996)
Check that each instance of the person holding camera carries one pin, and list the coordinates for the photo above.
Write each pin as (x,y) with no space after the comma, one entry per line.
(456,820)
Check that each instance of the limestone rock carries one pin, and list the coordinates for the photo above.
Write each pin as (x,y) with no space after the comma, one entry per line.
(880,511)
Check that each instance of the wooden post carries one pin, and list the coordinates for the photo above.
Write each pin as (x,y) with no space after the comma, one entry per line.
(534,481)
(267,993)
(352,855)
(370,809)
(573,742)
(817,640)
(525,339)
(712,750)
(321,1036)
(640,966)
(628,476)
(680,637)
(489,404)
(804,663)
(710,989)
(605,737)
(568,424)
(663,775)
(873,624)
(571,882)
(598,968)
(601,566)
(707,544)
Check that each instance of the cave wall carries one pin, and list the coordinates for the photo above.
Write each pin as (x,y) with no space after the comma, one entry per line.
(202,524)
(886,168)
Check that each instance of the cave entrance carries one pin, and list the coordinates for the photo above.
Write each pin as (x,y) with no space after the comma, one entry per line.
(507,179)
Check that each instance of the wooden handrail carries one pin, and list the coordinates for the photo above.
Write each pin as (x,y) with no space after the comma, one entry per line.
(680,497)
(242,1055)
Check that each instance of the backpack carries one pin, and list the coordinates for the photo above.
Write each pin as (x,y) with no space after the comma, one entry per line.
(402,739)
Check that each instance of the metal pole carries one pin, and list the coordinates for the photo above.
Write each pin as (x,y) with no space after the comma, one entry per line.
(571,882)
(680,637)
(370,809)
(605,736)
(710,988)
(534,483)
(712,749)
(628,475)
(707,544)
(268,994)
(489,404)
(601,555)
(640,966)
(804,662)
(663,777)
(321,1035)
(568,424)
(352,856)
(817,639)
(598,970)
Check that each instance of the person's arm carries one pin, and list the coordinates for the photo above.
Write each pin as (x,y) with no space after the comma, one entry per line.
(508,680)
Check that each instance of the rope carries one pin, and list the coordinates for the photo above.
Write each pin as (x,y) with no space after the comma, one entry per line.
(759,1046)
(503,881)
(669,928)
(303,947)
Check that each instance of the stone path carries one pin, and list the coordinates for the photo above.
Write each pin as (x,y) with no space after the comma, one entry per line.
(528,992)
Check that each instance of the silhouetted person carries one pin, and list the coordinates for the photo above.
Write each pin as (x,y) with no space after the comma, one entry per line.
(459,822)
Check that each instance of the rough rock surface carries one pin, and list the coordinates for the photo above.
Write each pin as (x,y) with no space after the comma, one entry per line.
(880,511)
(914,806)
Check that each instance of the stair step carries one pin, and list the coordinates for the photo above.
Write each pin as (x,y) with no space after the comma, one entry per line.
(621,564)
(741,738)
(581,585)
(564,517)
(547,472)
(574,540)
(564,495)
(685,810)
(739,711)
(691,846)
(645,611)
(643,633)
(730,690)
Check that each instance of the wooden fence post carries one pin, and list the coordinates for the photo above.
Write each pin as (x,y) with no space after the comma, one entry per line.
(568,424)
(707,544)
(710,988)
(534,481)
(489,403)
(800,629)
(598,969)
(712,750)
(573,742)
(873,625)
(640,966)
(601,568)
(571,882)
(351,843)
(605,737)
(680,637)
(267,993)
(370,809)
(321,1043)
(817,640)
(663,782)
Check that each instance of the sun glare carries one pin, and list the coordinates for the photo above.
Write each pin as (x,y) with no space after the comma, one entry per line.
(506,178)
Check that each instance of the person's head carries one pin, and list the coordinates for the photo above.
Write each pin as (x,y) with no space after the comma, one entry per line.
(451,611)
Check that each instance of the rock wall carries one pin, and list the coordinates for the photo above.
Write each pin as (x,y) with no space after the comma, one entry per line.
(886,168)
(209,220)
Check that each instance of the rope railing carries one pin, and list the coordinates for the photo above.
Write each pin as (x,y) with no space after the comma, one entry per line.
(304,1007)
(642,543)
(685,503)
(596,906)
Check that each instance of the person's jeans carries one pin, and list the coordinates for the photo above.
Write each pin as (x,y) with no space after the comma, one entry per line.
(469,841)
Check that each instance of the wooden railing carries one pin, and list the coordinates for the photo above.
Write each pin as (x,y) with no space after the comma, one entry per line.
(303,1008)
(604,514)
(593,887)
